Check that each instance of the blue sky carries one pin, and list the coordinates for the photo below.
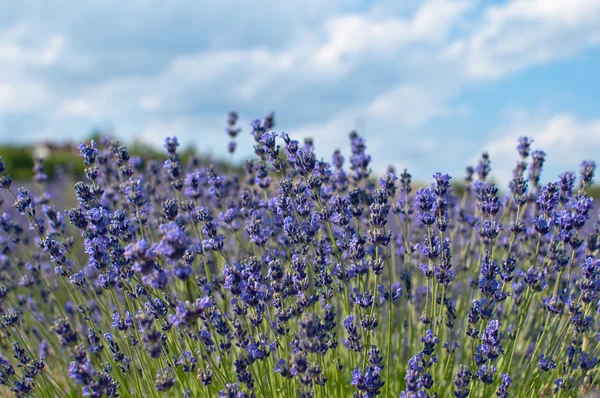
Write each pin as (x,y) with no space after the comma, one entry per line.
(430,84)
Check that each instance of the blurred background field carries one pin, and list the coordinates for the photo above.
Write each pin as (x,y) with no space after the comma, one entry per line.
(64,158)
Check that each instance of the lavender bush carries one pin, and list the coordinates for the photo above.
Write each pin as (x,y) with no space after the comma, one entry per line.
(297,277)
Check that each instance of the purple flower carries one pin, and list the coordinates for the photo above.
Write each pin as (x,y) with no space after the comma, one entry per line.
(586,174)
(88,152)
(546,363)
(142,255)
(503,387)
(425,202)
(369,382)
(462,381)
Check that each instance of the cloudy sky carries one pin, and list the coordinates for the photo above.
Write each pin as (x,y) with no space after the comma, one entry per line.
(430,84)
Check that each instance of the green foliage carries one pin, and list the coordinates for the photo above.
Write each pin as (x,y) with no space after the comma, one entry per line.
(66,161)
(18,161)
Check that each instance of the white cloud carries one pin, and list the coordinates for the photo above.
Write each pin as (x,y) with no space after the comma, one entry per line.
(49,54)
(407,106)
(14,50)
(17,97)
(351,38)
(150,102)
(401,107)
(77,107)
(389,123)
(566,139)
(19,93)
(521,33)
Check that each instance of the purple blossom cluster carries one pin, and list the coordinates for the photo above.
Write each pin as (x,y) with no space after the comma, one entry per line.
(295,275)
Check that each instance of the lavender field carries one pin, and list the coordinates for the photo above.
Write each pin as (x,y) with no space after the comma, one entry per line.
(298,277)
